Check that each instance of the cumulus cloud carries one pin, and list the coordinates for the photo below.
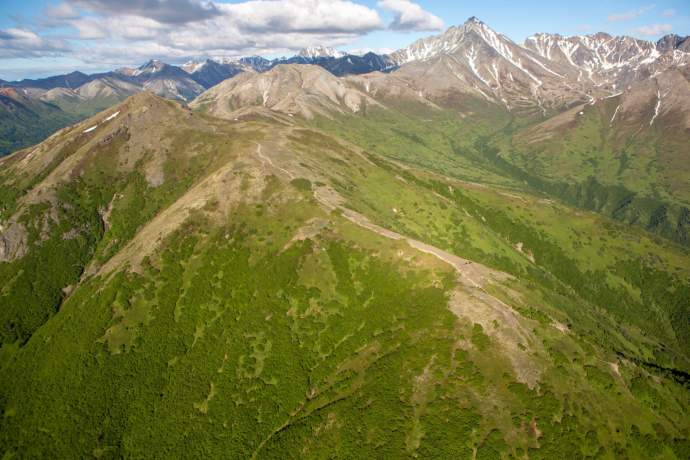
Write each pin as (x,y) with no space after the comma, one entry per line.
(61,11)
(410,16)
(164,11)
(241,28)
(304,16)
(630,15)
(122,32)
(653,30)
(128,28)
(20,42)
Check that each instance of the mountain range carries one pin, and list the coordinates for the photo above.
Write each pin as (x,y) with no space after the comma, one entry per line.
(478,250)
(544,74)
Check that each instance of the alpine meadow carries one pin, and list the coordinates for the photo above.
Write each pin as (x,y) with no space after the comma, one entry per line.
(472,247)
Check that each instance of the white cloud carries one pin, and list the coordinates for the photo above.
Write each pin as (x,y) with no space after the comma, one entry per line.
(126,32)
(61,11)
(285,25)
(164,11)
(653,30)
(20,42)
(668,13)
(410,16)
(89,28)
(630,15)
(302,16)
(252,27)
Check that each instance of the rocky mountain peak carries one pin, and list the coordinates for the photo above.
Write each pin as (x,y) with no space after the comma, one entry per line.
(314,52)
(194,66)
(673,42)
(291,89)
(153,66)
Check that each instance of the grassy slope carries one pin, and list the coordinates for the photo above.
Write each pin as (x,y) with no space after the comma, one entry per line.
(236,338)
(30,124)
(640,280)
(24,124)
(637,180)
(634,174)
(34,284)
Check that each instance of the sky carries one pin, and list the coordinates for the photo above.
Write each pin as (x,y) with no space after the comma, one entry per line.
(47,37)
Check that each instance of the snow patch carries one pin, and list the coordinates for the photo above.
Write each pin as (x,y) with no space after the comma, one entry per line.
(193,66)
(472,60)
(614,114)
(658,106)
(112,116)
(88,130)
(614,95)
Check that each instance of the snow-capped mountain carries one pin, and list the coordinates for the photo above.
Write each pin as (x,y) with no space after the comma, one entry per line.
(608,61)
(446,43)
(258,63)
(210,72)
(151,67)
(314,52)
(547,72)
(193,66)
(474,59)
(154,66)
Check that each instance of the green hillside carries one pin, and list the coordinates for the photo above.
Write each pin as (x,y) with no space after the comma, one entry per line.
(637,178)
(25,122)
(372,286)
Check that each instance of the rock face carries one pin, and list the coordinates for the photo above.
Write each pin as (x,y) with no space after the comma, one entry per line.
(612,62)
(673,42)
(209,72)
(12,242)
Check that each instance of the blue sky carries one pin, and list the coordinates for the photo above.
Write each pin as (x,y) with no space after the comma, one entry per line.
(45,37)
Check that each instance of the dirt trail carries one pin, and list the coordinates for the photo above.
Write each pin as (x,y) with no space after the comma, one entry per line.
(470,300)
(266,160)
(472,274)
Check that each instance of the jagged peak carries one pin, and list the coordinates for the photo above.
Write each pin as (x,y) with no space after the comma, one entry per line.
(601,36)
(475,24)
(319,52)
(672,42)
(591,41)
(451,40)
(544,36)
(152,66)
(195,65)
